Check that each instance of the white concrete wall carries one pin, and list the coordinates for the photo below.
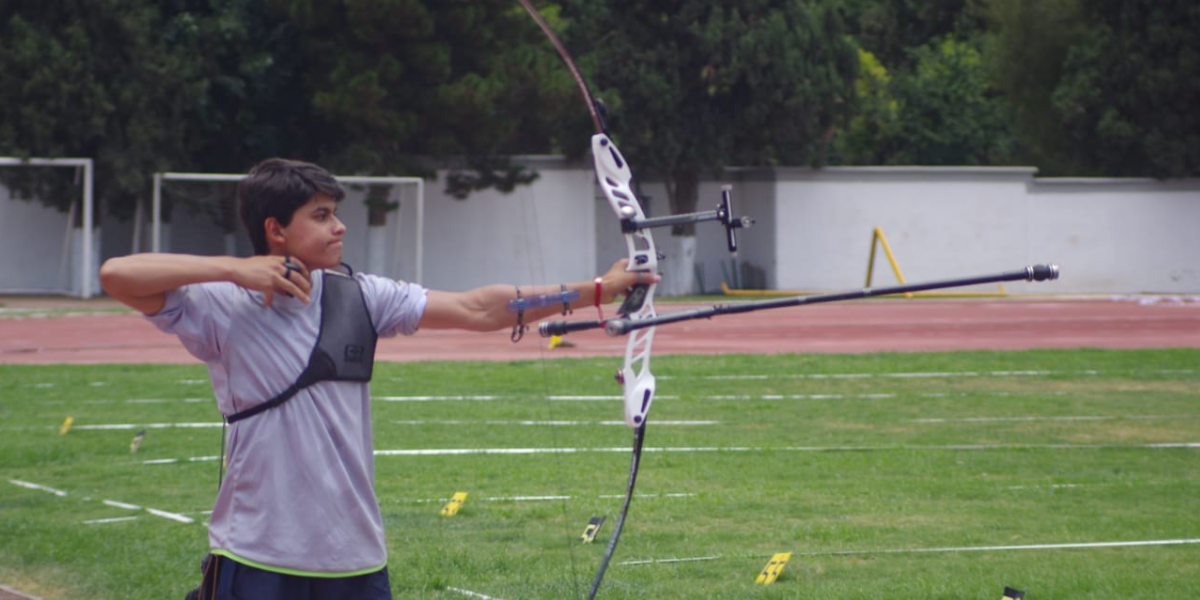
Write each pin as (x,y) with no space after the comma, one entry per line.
(31,248)
(544,232)
(1108,236)
(813,230)
(1119,235)
(939,222)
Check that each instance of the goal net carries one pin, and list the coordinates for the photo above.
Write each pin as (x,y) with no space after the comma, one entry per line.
(50,247)
(196,213)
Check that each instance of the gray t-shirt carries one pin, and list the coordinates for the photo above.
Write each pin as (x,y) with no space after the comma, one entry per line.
(298,494)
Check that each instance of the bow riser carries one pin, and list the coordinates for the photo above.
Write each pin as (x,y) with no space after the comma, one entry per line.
(615,177)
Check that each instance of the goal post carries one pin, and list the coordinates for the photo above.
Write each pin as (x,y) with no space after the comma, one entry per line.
(381,246)
(83,251)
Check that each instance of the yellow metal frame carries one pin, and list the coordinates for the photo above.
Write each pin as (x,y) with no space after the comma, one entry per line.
(877,239)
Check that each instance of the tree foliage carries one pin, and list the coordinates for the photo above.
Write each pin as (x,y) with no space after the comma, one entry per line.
(1128,95)
(948,114)
(92,79)
(1076,87)
(1099,87)
(409,78)
(217,85)
(891,29)
(1026,46)
(704,85)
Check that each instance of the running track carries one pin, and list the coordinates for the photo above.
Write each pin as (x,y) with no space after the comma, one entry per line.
(912,325)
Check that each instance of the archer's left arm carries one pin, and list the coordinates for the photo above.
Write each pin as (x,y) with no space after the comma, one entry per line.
(487,308)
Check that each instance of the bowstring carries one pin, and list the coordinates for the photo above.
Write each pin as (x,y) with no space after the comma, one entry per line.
(599,125)
(536,265)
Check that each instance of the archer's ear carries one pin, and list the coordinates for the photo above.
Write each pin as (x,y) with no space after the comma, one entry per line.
(274,232)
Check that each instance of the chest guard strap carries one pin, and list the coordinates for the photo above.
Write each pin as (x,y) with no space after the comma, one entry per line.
(345,348)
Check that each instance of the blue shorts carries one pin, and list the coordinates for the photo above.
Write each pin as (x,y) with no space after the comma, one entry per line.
(236,581)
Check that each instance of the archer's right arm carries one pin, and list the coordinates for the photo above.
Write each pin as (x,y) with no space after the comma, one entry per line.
(141,281)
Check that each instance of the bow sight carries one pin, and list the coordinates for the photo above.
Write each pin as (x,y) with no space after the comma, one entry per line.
(723,215)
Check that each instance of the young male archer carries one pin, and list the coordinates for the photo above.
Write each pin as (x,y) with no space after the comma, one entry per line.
(288,341)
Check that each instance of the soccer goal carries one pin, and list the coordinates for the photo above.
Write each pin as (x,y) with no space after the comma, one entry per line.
(388,243)
(38,263)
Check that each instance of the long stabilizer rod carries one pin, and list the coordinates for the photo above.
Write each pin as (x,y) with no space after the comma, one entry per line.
(624,325)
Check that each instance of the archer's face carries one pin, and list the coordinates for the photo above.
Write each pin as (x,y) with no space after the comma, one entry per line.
(315,233)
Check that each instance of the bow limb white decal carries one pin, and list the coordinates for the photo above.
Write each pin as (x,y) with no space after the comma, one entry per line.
(614,176)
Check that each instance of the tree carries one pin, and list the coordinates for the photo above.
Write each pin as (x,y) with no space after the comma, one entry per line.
(90,79)
(869,136)
(217,85)
(1026,46)
(947,112)
(1127,97)
(144,86)
(1099,87)
(701,85)
(890,29)
(410,79)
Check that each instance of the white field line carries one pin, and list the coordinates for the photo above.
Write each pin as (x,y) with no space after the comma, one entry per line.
(684,449)
(1009,548)
(113,503)
(170,515)
(36,486)
(797,396)
(147,401)
(148,426)
(470,594)
(953,447)
(171,461)
(914,375)
(434,398)
(662,561)
(546,423)
(548,498)
(764,377)
(154,511)
(495,397)
(213,425)
(920,374)
(1061,418)
(112,520)
(1055,486)
(1065,546)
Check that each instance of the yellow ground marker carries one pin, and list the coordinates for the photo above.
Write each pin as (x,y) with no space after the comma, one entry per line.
(557,341)
(593,527)
(774,568)
(1012,594)
(451,508)
(66,426)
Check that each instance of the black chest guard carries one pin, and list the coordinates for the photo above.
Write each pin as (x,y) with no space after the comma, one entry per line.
(345,348)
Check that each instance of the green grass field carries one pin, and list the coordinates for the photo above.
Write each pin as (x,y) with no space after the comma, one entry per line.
(897,476)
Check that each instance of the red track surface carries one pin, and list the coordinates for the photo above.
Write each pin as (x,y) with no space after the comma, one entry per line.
(863,326)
